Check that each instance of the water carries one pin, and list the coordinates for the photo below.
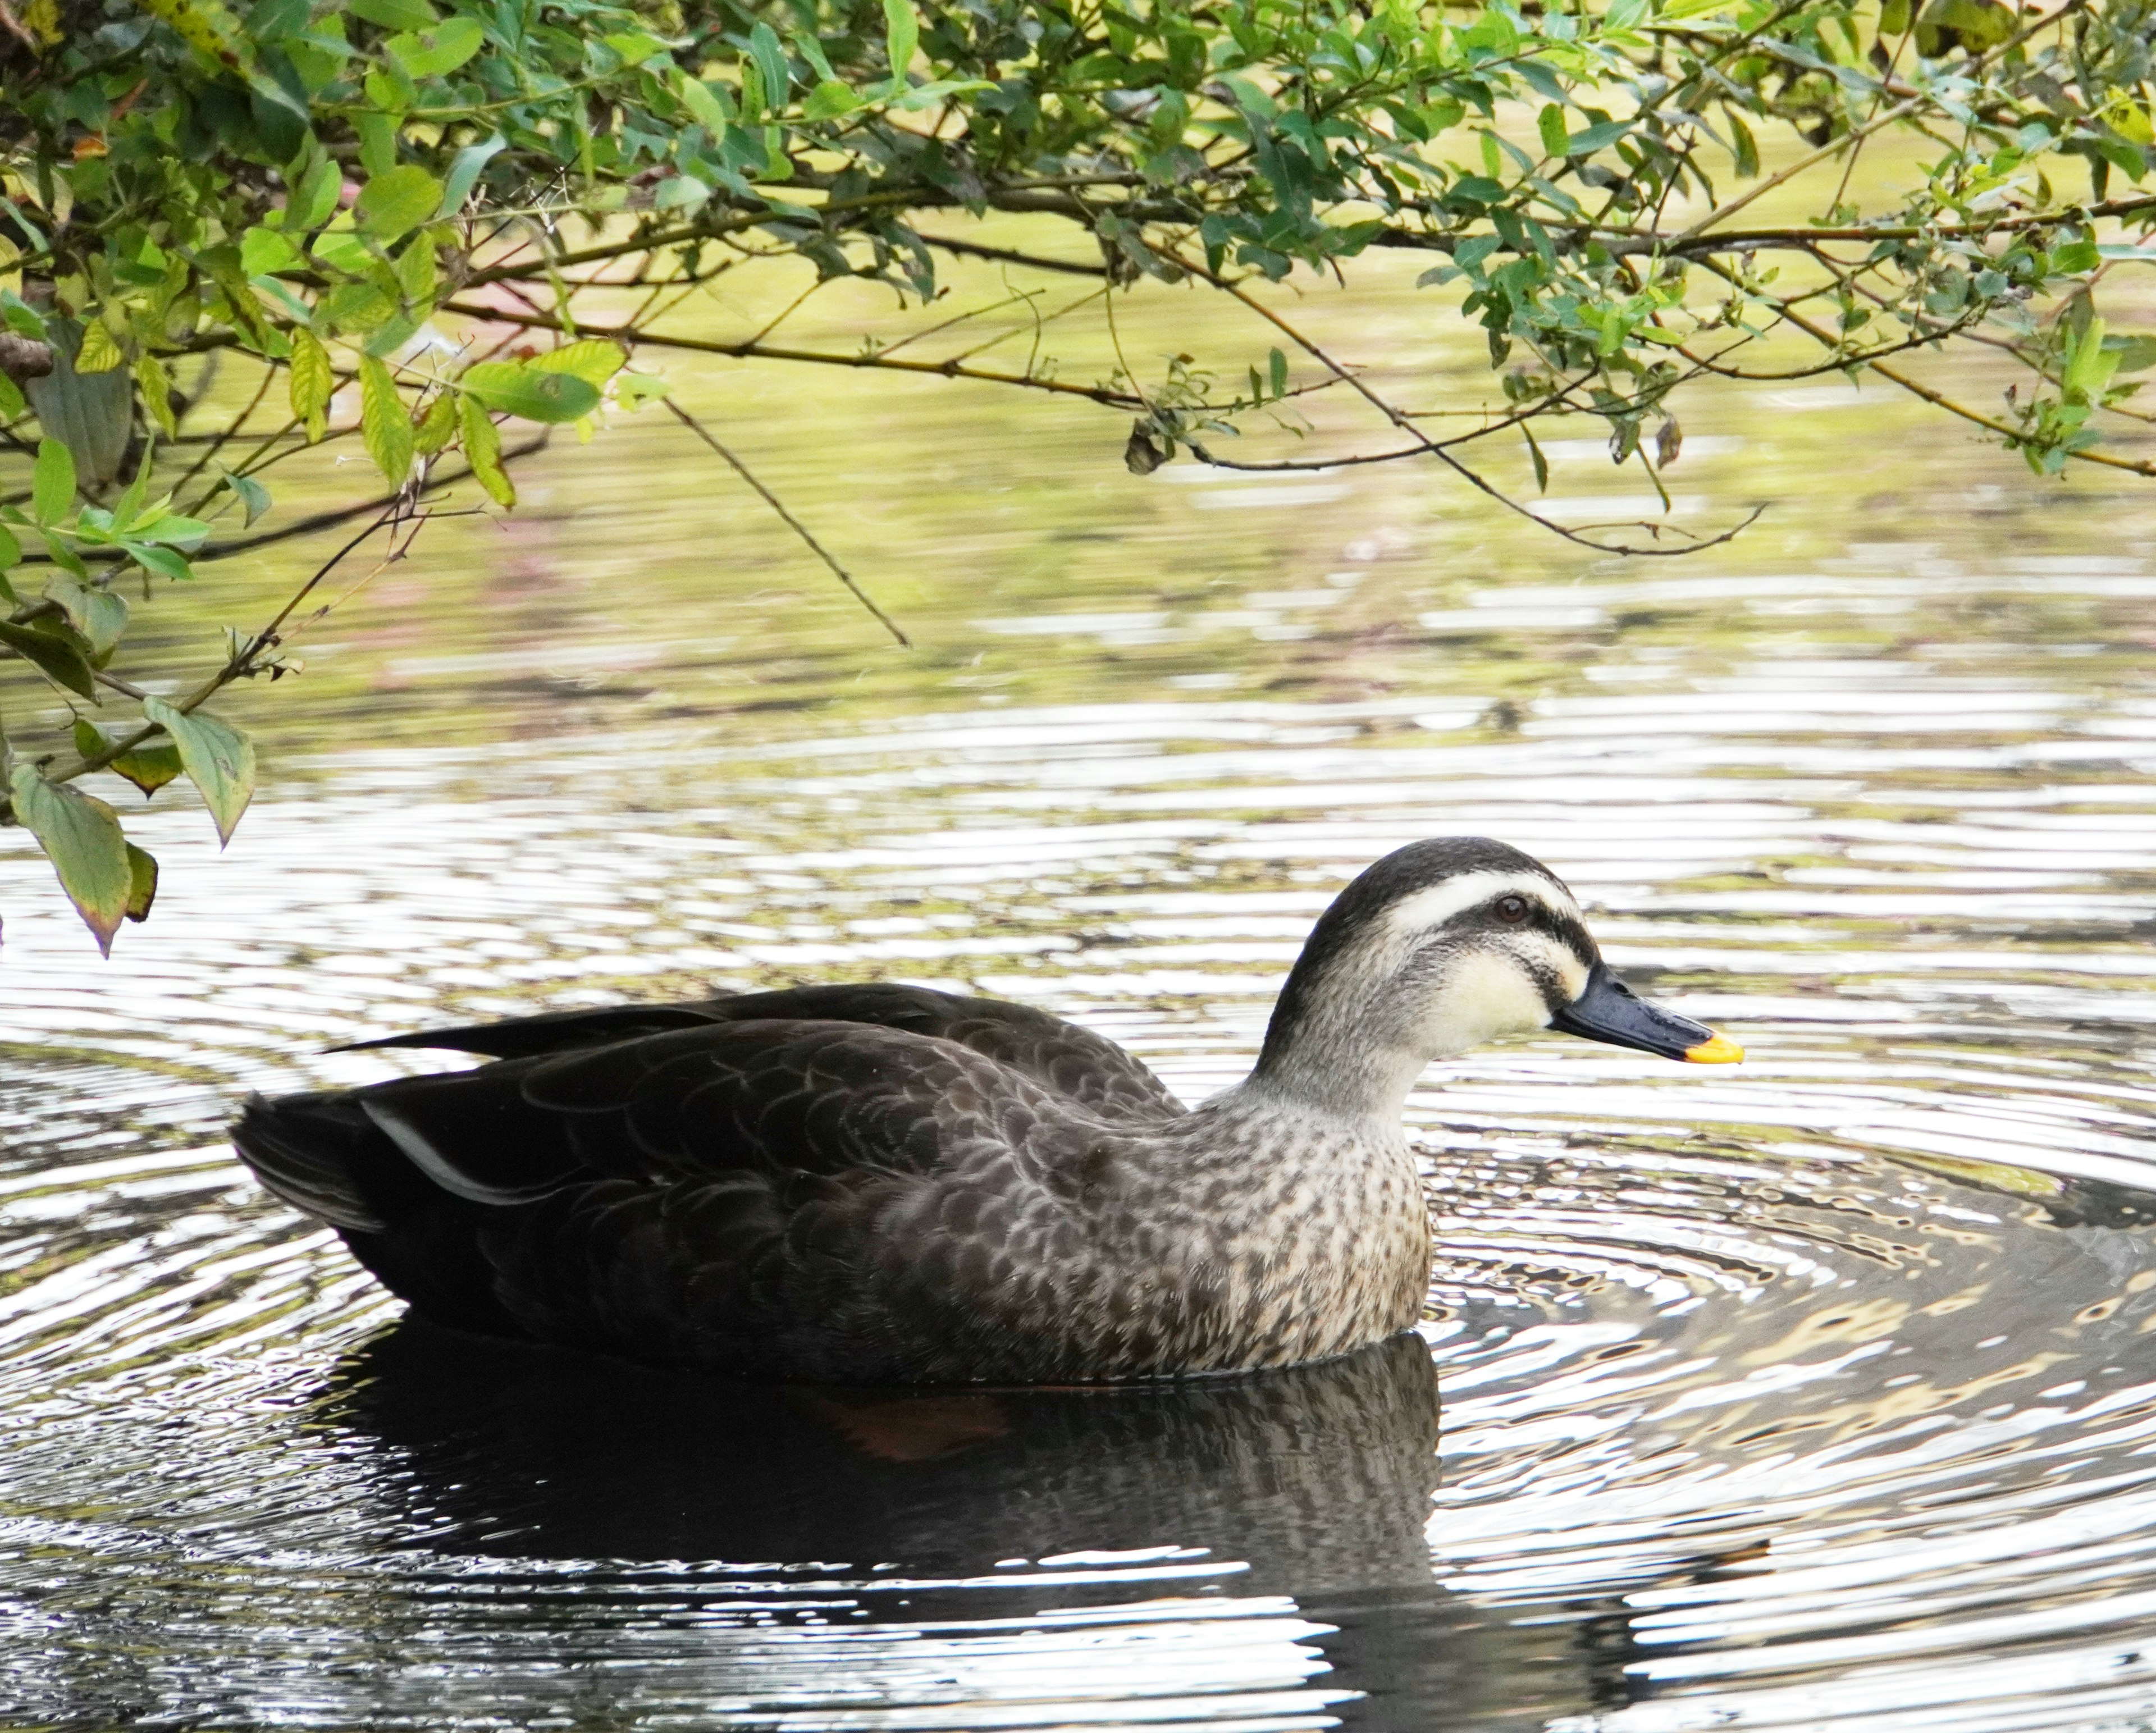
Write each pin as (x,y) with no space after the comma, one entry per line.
(1813,1393)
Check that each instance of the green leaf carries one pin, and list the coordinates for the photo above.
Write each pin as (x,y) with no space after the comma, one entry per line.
(1599,137)
(397,202)
(464,169)
(680,192)
(52,482)
(1276,364)
(828,100)
(11,550)
(1894,18)
(254,498)
(22,319)
(901,37)
(171,531)
(81,836)
(632,391)
(440,50)
(396,14)
(149,766)
(2136,354)
(314,200)
(415,273)
(383,422)
(2070,259)
(1541,463)
(711,110)
(219,759)
(141,882)
(634,47)
(162,560)
(526,390)
(771,62)
(483,450)
(1550,123)
(98,615)
(60,660)
(1747,148)
(378,139)
(311,383)
(263,251)
(11,399)
(593,360)
(341,249)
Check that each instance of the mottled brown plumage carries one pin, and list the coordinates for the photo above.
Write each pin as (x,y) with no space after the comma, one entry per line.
(882,1183)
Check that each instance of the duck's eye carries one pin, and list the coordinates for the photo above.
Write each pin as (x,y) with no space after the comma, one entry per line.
(1511,909)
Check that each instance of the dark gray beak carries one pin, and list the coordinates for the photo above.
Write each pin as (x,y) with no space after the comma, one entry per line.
(1610,1010)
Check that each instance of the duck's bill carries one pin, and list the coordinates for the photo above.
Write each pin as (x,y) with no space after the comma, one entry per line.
(1610,1010)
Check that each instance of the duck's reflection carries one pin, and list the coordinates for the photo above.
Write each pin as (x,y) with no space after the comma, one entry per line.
(1319,1478)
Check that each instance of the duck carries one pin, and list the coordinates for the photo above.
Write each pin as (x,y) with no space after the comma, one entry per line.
(879,1183)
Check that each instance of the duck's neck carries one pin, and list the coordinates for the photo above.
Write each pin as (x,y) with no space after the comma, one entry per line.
(1326,1052)
(1338,1079)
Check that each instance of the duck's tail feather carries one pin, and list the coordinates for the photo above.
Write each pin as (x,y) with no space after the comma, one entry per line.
(323,1154)
(319,1153)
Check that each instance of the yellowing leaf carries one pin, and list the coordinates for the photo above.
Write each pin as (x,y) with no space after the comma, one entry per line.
(155,385)
(593,360)
(206,26)
(98,353)
(437,425)
(311,383)
(81,836)
(382,422)
(149,766)
(483,451)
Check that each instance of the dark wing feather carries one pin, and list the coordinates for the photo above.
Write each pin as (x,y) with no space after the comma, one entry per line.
(1075,1063)
(726,1195)
(776,1100)
(519,1038)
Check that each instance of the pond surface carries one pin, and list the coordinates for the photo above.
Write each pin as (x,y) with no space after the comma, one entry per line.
(1817,1392)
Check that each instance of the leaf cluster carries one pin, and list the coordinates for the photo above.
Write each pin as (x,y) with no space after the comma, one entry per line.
(316,185)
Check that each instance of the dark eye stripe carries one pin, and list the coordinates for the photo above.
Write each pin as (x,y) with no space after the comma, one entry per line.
(1568,930)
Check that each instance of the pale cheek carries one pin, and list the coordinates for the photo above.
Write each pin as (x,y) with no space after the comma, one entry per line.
(1483,998)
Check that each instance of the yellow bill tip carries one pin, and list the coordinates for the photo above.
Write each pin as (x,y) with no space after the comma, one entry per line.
(1715,1050)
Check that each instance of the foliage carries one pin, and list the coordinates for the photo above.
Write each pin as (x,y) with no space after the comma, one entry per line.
(316,185)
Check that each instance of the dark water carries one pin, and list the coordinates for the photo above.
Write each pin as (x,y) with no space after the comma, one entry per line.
(1817,1393)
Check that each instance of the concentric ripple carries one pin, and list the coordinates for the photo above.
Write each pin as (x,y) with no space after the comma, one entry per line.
(1817,1393)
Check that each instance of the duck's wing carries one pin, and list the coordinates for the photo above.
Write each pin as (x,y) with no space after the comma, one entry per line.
(784,1198)
(1075,1063)
(777,1100)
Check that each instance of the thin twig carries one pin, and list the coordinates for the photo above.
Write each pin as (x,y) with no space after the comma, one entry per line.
(792,522)
(764,351)
(1399,419)
(240,662)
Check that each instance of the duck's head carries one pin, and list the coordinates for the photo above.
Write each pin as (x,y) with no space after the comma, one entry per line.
(1438,947)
